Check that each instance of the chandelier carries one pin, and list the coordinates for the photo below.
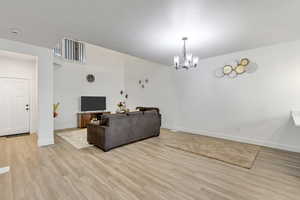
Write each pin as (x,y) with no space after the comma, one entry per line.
(189,61)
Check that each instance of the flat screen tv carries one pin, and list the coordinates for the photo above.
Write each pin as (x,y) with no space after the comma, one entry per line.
(89,103)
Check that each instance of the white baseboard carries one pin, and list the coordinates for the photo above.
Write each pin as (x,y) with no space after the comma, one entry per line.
(45,142)
(65,129)
(241,139)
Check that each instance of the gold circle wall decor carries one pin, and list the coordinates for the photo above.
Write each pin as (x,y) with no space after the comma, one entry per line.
(237,68)
(227,69)
(240,69)
(244,61)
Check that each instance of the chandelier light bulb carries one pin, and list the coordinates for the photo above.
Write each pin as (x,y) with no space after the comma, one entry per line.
(176,60)
(189,57)
(186,63)
(195,61)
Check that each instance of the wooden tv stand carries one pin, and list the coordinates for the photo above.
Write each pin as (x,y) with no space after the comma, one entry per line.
(84,118)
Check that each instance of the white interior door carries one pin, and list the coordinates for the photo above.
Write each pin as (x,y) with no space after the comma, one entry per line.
(14,106)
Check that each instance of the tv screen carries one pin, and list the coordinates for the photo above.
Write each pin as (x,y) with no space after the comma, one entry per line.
(93,103)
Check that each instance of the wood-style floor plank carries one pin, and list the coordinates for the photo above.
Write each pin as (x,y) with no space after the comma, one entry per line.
(145,170)
(5,179)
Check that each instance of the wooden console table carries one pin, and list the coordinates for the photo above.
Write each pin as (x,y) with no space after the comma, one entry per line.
(84,118)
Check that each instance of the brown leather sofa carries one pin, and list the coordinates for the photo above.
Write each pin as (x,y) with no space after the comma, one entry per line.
(120,129)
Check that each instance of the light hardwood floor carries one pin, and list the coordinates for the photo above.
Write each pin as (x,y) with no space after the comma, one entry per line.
(146,170)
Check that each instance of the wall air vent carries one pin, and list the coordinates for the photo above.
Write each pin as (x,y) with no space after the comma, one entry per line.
(71,50)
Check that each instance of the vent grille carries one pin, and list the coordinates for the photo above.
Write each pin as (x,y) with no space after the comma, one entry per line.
(71,50)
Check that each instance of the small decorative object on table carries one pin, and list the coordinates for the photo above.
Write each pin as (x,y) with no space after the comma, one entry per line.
(95,121)
(55,108)
(122,107)
(122,104)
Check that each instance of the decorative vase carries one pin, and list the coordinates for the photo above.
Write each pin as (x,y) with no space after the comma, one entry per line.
(55,114)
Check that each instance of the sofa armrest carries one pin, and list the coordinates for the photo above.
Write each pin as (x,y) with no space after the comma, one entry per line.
(96,135)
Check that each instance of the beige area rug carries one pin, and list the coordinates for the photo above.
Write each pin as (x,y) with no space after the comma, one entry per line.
(77,138)
(236,153)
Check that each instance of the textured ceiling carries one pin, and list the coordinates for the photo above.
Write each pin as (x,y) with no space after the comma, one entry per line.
(152,29)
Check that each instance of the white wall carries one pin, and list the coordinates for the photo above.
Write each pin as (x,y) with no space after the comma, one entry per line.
(159,92)
(254,107)
(16,66)
(70,84)
(114,72)
(45,86)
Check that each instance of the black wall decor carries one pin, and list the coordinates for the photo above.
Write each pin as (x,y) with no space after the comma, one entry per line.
(142,83)
(90,78)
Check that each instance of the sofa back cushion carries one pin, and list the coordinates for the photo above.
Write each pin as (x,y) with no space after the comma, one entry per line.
(133,125)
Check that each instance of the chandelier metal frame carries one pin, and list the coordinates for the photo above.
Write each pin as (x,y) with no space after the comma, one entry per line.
(188,60)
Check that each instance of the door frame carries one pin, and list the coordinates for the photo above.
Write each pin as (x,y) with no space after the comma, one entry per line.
(44,80)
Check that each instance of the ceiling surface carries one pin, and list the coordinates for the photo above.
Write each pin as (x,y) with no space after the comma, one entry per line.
(152,29)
